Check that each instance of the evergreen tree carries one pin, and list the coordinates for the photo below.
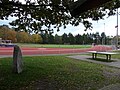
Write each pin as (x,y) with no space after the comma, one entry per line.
(50,39)
(71,38)
(58,39)
(45,38)
(64,38)
(78,39)
(103,38)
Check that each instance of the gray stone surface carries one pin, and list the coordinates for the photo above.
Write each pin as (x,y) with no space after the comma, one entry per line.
(111,87)
(17,60)
(115,63)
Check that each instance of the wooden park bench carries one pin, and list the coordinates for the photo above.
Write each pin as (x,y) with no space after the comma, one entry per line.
(108,54)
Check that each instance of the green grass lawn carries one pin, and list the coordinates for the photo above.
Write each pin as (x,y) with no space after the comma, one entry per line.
(56,73)
(117,56)
(52,45)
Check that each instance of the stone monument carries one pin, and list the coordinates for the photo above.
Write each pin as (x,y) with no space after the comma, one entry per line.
(0,40)
(17,60)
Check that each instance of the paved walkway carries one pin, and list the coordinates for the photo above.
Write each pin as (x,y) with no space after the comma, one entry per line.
(115,63)
(111,87)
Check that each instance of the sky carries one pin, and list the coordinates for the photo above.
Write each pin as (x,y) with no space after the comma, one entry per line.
(107,25)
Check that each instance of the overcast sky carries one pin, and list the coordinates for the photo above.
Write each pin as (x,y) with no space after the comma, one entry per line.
(107,25)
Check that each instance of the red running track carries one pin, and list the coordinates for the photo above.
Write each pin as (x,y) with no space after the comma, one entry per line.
(46,51)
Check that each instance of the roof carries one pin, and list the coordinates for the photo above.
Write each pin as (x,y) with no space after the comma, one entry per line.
(81,6)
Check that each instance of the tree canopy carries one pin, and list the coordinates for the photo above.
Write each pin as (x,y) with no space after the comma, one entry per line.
(44,15)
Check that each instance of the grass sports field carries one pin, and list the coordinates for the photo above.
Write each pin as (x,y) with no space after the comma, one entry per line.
(53,46)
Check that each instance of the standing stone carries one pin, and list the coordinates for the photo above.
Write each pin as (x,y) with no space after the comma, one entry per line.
(0,40)
(17,60)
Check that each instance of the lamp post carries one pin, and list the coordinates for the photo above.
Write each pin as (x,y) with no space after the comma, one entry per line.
(104,34)
(117,31)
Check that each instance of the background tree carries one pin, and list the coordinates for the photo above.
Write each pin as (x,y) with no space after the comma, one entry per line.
(58,39)
(44,37)
(7,34)
(11,35)
(84,39)
(71,39)
(23,37)
(89,39)
(78,39)
(3,31)
(103,38)
(36,38)
(98,38)
(50,39)
(47,38)
(65,38)
(108,40)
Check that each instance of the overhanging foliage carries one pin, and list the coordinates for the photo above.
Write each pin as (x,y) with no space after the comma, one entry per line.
(40,15)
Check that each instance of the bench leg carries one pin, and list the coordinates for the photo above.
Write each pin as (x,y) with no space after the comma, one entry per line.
(108,57)
(94,55)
